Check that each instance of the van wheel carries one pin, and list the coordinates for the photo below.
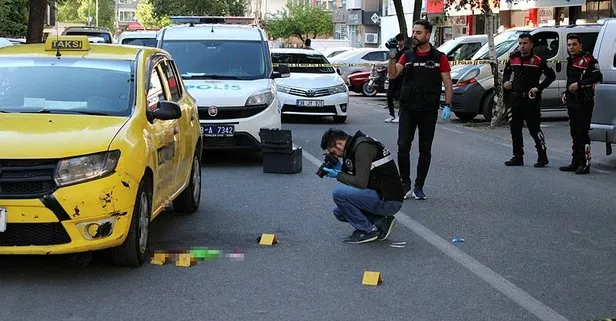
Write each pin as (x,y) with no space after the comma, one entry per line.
(465,116)
(134,250)
(488,107)
(188,201)
(340,119)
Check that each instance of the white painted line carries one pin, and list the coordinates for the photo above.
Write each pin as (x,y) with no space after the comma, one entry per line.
(519,296)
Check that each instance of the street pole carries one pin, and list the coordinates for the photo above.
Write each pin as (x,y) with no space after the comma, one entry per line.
(89,22)
(97,13)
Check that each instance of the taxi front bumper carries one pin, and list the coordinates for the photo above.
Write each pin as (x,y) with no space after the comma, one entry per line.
(84,217)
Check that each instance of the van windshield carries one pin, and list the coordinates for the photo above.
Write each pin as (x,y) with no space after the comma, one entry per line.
(218,59)
(302,60)
(503,42)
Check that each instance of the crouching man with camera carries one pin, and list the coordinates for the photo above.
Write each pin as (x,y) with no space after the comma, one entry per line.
(372,192)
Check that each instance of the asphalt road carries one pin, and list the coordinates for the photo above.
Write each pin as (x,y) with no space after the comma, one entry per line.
(538,243)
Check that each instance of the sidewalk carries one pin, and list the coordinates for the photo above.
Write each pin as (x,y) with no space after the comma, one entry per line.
(558,140)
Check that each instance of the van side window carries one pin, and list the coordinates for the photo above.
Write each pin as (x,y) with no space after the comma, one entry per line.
(589,39)
(172,83)
(614,63)
(156,92)
(546,44)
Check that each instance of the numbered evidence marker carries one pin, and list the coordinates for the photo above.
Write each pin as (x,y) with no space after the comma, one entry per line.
(185,260)
(372,278)
(267,239)
(160,258)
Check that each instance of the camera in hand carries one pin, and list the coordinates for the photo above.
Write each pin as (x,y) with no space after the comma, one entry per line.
(391,43)
(330,162)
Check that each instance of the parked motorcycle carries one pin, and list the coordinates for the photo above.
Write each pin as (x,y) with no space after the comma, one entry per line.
(369,83)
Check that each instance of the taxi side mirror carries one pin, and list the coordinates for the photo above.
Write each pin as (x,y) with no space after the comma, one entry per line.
(167,110)
(283,71)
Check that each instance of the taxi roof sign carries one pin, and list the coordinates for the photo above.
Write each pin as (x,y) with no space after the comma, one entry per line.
(67,43)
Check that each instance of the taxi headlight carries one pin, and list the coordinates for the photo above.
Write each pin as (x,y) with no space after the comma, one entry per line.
(261,98)
(283,89)
(85,168)
(342,88)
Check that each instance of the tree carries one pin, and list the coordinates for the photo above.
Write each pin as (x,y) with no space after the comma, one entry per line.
(302,21)
(145,16)
(162,8)
(402,20)
(14,17)
(498,110)
(36,20)
(77,11)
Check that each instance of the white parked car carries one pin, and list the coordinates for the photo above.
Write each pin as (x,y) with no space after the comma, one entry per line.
(463,47)
(332,52)
(317,91)
(138,38)
(364,56)
(5,42)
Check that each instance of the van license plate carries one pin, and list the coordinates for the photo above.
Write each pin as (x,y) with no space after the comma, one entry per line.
(2,219)
(218,130)
(310,103)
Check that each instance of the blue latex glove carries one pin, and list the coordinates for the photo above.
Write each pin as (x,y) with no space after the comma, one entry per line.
(446,112)
(333,173)
(339,165)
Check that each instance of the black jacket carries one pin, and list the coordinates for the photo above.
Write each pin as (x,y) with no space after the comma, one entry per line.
(527,72)
(583,69)
(383,172)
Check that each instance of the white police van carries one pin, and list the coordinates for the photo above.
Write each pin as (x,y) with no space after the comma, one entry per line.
(227,68)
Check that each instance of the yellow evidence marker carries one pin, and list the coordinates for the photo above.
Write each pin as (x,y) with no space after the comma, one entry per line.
(267,239)
(160,258)
(372,278)
(185,260)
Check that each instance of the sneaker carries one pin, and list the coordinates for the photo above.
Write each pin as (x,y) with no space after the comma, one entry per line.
(418,193)
(386,227)
(396,120)
(390,119)
(406,188)
(360,236)
(541,162)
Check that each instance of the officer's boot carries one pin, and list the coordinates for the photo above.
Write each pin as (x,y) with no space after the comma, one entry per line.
(575,163)
(584,167)
(542,158)
(516,160)
(542,155)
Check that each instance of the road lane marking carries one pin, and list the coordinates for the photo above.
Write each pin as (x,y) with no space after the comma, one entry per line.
(519,296)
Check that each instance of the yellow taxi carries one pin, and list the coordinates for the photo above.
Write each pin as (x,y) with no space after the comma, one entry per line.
(95,142)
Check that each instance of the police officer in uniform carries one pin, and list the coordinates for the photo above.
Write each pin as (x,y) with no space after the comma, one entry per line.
(582,73)
(425,71)
(372,190)
(527,68)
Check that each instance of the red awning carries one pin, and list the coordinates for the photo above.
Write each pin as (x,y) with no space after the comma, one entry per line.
(134,26)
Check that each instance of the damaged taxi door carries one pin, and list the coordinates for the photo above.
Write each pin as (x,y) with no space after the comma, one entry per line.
(163,138)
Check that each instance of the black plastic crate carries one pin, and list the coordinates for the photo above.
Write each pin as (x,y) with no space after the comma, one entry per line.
(279,153)
(283,163)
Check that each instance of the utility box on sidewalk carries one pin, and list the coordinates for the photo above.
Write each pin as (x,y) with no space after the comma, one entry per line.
(279,153)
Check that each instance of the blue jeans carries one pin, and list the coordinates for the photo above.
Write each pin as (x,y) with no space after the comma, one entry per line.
(361,207)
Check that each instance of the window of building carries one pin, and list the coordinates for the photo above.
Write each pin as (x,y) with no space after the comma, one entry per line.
(127,15)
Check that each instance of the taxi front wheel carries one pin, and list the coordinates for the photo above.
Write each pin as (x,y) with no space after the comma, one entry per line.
(134,250)
(188,201)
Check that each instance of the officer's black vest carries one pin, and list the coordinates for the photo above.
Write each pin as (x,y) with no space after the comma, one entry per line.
(421,87)
(384,176)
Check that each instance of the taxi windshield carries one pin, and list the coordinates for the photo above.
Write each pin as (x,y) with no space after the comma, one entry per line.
(79,86)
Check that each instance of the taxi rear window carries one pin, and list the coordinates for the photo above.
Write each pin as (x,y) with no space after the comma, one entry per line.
(98,87)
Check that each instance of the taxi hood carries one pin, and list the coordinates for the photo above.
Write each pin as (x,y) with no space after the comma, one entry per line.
(55,135)
(221,93)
